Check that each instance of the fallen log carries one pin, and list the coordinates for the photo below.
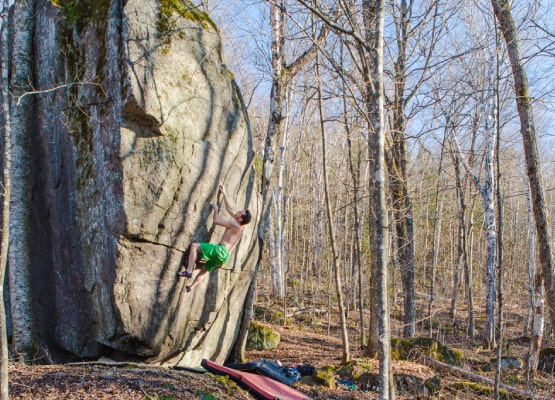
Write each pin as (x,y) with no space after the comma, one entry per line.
(452,370)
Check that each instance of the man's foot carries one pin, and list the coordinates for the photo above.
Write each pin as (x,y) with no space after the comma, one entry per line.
(185,274)
(188,288)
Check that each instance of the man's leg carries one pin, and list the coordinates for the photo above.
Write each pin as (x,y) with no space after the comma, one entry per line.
(202,272)
(194,250)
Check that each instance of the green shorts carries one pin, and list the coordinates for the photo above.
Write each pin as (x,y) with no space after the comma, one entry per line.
(215,255)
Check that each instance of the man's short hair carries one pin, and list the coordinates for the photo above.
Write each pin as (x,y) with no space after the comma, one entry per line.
(246,217)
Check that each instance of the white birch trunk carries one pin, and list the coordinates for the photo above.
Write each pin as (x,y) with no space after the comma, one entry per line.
(280,220)
(536,295)
(488,201)
(6,180)
(281,75)
(488,196)
(271,240)
(380,247)
(435,251)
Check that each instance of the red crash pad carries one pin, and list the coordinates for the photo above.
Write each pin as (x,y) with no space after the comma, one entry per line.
(263,387)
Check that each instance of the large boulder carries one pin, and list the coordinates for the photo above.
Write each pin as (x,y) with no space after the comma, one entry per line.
(127,153)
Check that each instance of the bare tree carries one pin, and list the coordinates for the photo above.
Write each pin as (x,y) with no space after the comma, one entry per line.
(6,181)
(355,172)
(463,261)
(331,225)
(282,75)
(502,12)
(536,297)
(373,15)
(487,192)
(439,201)
(410,35)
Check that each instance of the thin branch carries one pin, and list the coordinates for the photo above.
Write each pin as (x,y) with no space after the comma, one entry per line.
(57,88)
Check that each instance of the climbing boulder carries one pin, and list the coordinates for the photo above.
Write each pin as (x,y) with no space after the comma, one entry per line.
(126,155)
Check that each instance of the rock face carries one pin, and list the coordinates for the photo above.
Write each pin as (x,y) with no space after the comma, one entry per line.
(127,153)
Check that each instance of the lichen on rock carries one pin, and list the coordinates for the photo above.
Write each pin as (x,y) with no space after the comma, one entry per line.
(261,337)
(411,349)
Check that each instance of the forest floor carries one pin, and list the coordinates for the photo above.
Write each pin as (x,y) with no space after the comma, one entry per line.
(301,343)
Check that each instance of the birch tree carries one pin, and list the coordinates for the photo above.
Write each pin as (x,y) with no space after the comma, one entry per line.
(536,295)
(463,261)
(487,191)
(282,74)
(373,15)
(6,193)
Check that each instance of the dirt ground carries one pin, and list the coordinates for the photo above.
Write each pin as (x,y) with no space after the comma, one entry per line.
(297,346)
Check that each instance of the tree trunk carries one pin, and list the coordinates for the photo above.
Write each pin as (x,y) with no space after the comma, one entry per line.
(331,224)
(402,204)
(355,178)
(19,261)
(487,192)
(6,181)
(272,255)
(281,77)
(279,261)
(462,250)
(537,298)
(373,14)
(499,199)
(438,220)
(529,141)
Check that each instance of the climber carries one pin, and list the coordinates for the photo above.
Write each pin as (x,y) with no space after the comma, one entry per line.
(215,255)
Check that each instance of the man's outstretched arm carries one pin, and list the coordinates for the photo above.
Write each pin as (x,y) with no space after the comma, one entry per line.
(219,220)
(228,206)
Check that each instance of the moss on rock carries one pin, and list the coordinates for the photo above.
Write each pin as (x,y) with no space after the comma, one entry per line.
(354,369)
(82,11)
(411,349)
(261,337)
(482,390)
(326,375)
(184,9)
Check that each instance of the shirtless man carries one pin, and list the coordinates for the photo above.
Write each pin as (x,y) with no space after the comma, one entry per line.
(216,254)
